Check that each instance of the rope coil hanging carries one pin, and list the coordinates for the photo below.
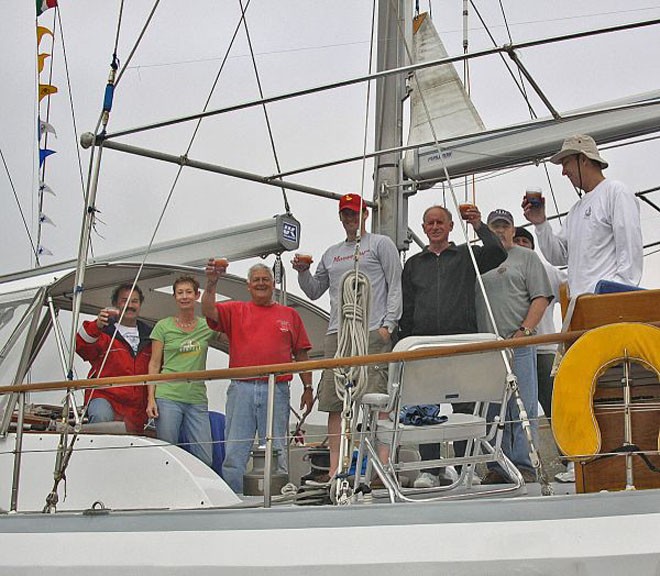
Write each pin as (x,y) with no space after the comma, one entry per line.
(353,335)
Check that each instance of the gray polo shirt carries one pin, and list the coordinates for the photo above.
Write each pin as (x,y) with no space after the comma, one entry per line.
(511,287)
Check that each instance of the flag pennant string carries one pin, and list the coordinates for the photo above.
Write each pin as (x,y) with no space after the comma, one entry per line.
(44,127)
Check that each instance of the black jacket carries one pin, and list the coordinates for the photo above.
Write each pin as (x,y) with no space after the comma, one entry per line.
(438,291)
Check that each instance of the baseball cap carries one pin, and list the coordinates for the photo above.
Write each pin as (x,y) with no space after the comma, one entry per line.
(500,214)
(579,144)
(524,233)
(351,202)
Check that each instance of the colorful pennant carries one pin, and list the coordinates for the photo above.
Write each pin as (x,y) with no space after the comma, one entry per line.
(41,32)
(43,187)
(43,5)
(46,90)
(43,154)
(46,128)
(41,61)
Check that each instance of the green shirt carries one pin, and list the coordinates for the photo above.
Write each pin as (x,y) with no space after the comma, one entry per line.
(183,352)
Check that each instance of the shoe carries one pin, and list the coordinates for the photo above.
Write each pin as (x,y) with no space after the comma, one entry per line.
(529,476)
(495,477)
(568,476)
(427,480)
(376,483)
(322,480)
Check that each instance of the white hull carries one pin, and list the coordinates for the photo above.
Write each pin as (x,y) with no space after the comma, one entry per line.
(598,534)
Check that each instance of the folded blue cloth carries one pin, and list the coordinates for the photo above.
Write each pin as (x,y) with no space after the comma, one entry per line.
(610,287)
(421,415)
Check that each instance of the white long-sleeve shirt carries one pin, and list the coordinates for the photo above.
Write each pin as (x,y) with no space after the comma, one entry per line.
(547,323)
(601,239)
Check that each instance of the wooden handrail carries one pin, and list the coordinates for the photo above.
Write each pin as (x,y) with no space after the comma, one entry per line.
(295,367)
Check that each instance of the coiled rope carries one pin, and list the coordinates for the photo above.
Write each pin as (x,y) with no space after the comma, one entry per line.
(353,335)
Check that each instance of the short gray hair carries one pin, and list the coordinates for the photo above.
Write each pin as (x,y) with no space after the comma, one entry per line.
(437,207)
(260,266)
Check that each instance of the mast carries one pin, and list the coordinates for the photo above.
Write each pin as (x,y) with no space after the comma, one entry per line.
(394,19)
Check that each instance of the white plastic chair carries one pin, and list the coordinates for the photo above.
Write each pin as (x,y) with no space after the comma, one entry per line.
(480,377)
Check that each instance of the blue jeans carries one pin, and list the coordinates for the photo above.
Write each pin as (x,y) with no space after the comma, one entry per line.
(514,441)
(100,410)
(192,420)
(247,402)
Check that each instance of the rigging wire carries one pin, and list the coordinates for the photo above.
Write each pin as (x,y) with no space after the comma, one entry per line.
(65,448)
(521,78)
(354,313)
(382,74)
(512,381)
(175,181)
(521,89)
(137,41)
(18,204)
(72,108)
(269,128)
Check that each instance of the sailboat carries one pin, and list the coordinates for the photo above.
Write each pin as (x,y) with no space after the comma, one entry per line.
(207,528)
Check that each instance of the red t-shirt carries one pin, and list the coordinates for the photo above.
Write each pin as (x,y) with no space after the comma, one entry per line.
(260,335)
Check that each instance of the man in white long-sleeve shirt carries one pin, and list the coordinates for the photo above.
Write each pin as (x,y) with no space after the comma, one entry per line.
(601,238)
(379,260)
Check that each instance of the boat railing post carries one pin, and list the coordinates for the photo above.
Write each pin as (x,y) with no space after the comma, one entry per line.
(268,467)
(18,451)
(627,423)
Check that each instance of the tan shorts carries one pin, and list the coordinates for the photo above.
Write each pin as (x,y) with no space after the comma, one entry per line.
(376,375)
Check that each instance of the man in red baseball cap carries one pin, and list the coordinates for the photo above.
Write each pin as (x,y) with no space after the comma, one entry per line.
(379,260)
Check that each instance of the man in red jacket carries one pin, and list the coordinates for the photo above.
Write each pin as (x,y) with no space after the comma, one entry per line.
(129,354)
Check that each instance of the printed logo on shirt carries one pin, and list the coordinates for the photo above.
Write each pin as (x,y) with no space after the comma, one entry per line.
(284,325)
(344,258)
(188,346)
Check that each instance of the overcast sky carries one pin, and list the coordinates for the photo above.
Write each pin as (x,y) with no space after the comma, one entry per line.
(298,44)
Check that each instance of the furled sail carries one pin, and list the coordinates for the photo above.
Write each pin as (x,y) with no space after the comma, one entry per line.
(438,95)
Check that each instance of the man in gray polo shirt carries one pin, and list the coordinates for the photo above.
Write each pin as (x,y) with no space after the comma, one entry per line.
(519,292)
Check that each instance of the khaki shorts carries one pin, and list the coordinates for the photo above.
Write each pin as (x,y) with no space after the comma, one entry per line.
(376,375)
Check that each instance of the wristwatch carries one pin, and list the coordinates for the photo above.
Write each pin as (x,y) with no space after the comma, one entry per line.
(526,331)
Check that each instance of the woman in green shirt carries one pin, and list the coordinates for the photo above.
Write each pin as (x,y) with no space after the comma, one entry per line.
(180,344)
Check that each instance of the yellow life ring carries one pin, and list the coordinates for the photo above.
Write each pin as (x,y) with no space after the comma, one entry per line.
(574,423)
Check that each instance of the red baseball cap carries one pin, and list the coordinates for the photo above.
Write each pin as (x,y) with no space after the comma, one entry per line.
(351,202)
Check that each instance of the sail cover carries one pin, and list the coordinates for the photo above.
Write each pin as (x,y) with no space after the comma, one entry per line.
(438,95)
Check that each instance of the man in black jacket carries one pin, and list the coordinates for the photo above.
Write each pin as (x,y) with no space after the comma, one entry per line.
(438,287)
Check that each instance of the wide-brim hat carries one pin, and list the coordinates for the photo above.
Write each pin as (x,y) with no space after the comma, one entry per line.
(579,144)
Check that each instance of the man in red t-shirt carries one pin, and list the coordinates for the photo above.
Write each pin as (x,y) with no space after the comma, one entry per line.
(130,352)
(260,332)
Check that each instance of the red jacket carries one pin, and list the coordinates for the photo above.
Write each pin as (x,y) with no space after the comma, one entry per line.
(128,402)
